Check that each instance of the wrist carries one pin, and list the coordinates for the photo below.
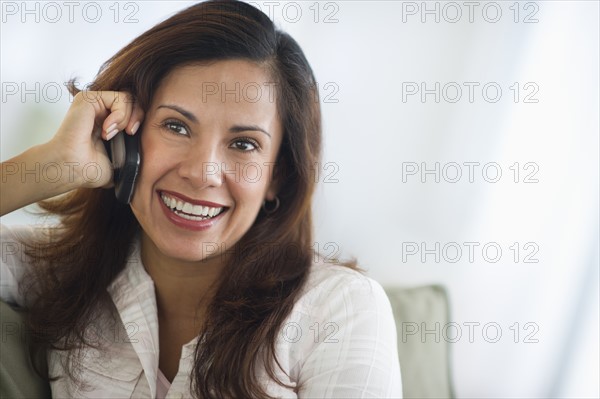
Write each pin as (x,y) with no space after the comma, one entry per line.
(54,171)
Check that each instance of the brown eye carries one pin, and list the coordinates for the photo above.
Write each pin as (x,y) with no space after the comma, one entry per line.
(245,145)
(176,128)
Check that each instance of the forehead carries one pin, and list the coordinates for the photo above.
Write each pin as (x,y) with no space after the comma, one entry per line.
(228,82)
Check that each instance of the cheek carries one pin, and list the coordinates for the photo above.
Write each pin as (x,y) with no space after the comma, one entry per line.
(155,160)
(254,177)
(250,187)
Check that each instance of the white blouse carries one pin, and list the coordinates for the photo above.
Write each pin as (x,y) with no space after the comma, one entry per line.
(339,341)
(162,386)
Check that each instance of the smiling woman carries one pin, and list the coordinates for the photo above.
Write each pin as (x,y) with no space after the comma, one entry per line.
(205,284)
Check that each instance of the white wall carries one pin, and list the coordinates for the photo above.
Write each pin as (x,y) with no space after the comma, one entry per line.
(368,208)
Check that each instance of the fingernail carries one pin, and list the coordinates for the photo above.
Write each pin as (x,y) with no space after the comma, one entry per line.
(135,127)
(112,134)
(111,128)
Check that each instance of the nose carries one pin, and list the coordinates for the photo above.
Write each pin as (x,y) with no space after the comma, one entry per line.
(201,166)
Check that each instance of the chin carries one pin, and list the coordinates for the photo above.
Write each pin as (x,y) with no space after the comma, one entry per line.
(186,252)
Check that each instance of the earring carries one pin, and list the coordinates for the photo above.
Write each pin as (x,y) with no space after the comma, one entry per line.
(271,209)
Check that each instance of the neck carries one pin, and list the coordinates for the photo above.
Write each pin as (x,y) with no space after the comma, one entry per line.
(183,288)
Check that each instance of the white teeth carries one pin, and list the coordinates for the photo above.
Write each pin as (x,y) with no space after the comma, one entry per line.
(188,217)
(190,211)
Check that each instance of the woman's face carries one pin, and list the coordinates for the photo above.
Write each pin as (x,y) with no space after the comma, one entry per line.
(209,143)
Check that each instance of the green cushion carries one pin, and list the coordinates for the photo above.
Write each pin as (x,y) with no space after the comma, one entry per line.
(421,314)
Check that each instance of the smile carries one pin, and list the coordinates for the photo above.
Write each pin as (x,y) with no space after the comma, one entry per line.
(189,211)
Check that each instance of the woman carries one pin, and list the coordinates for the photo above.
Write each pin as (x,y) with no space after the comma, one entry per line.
(206,284)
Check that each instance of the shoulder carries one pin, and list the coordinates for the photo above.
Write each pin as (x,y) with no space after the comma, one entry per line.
(340,339)
(334,288)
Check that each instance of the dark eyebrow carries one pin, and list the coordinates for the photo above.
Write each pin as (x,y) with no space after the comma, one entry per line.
(233,129)
(182,111)
(245,128)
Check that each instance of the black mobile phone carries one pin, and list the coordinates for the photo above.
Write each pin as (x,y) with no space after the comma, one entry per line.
(124,153)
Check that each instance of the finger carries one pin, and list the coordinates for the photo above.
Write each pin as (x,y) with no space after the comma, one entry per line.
(135,120)
(101,103)
(120,105)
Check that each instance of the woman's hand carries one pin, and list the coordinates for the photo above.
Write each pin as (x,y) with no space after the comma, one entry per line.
(94,116)
(75,157)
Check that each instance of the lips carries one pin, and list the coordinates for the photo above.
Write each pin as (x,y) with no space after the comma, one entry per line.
(181,207)
(188,213)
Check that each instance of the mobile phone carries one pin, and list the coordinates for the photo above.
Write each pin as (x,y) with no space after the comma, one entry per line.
(124,153)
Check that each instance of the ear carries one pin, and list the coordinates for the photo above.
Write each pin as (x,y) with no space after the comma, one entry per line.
(273,189)
(274,185)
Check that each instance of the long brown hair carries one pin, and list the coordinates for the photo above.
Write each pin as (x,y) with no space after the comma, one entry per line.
(259,286)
